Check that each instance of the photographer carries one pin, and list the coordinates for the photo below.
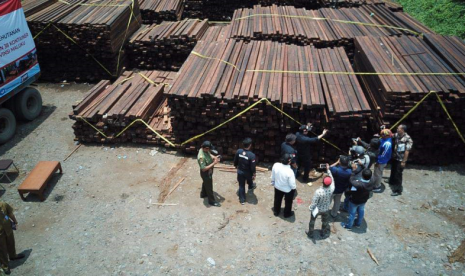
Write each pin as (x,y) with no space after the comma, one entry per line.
(372,148)
(206,163)
(360,159)
(304,156)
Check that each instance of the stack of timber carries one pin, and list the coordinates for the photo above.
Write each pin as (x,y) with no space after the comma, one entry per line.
(435,139)
(32,6)
(322,28)
(81,42)
(222,10)
(165,46)
(208,91)
(357,3)
(216,33)
(110,108)
(156,11)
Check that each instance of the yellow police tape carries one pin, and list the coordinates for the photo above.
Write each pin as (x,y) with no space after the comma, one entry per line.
(224,61)
(328,19)
(206,132)
(73,41)
(443,107)
(330,73)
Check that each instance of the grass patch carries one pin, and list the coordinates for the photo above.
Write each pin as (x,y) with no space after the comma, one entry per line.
(446,17)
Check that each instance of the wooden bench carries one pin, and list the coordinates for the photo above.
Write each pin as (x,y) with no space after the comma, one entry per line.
(36,181)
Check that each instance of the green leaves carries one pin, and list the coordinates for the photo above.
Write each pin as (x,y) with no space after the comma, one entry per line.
(446,17)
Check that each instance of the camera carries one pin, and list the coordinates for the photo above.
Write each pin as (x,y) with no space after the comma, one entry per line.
(215,153)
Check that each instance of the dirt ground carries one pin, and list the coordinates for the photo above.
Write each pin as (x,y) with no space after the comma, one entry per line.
(98,217)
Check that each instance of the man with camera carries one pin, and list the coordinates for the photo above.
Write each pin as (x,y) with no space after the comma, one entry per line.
(403,145)
(360,159)
(245,162)
(8,223)
(303,142)
(206,163)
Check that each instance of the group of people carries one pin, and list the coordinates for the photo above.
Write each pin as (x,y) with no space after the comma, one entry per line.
(356,175)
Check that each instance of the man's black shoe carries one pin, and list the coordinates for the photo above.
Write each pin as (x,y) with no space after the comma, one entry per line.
(7,271)
(396,194)
(216,204)
(291,215)
(377,190)
(18,256)
(253,187)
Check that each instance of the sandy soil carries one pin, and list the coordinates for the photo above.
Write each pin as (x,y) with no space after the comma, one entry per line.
(98,217)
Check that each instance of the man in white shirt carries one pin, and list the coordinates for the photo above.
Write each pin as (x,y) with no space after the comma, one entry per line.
(283,180)
(320,205)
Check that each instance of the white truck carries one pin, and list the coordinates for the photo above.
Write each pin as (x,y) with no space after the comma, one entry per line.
(19,68)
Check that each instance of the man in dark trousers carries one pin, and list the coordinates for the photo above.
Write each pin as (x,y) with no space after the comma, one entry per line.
(403,145)
(358,196)
(283,181)
(7,238)
(245,162)
(207,162)
(304,156)
(288,148)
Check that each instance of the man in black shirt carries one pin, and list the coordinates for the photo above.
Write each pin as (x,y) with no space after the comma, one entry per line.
(245,162)
(288,147)
(304,158)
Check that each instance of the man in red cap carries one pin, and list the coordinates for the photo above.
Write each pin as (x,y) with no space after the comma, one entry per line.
(320,205)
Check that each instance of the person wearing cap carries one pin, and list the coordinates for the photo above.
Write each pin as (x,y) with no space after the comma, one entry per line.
(283,181)
(372,149)
(7,238)
(303,144)
(384,156)
(358,196)
(207,162)
(341,173)
(245,162)
(360,158)
(322,201)
(288,147)
(403,146)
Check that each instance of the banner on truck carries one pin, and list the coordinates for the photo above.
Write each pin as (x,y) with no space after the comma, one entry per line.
(18,55)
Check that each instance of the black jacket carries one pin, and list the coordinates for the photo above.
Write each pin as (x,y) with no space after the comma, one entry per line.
(245,161)
(303,145)
(363,189)
(288,148)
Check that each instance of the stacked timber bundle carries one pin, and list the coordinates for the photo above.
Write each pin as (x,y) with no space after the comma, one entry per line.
(322,28)
(32,6)
(435,138)
(165,46)
(156,11)
(110,108)
(216,33)
(82,42)
(223,9)
(231,76)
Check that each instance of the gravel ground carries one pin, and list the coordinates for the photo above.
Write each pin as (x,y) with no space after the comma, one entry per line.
(98,219)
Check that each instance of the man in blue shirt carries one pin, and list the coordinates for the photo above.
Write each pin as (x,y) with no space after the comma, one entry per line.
(385,152)
(341,173)
(245,163)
